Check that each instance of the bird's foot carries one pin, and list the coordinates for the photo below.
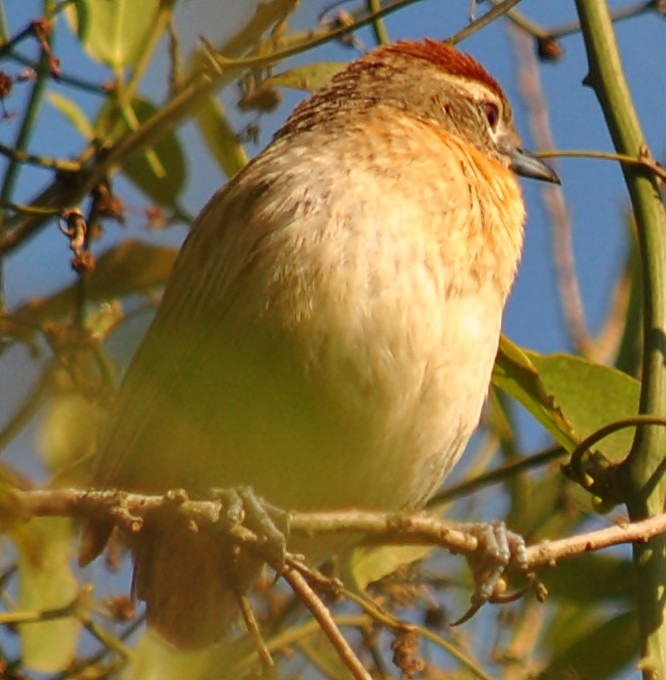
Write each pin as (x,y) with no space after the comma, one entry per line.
(498,550)
(269,523)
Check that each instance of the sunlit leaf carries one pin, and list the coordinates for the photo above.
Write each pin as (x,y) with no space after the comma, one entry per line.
(72,113)
(369,564)
(68,432)
(161,178)
(152,657)
(310,77)
(570,396)
(591,396)
(47,583)
(516,374)
(117,30)
(81,19)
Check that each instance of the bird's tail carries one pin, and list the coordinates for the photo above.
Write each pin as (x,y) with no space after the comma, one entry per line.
(189,581)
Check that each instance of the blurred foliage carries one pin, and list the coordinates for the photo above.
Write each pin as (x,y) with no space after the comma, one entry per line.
(127,138)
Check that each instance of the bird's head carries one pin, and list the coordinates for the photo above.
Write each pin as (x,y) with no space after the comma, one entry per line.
(432,81)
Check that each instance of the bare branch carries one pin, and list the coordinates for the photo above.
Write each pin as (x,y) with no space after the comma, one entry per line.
(127,510)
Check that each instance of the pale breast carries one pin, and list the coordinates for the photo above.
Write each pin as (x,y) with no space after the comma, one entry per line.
(379,327)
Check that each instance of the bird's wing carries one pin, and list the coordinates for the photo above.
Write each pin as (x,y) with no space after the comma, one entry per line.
(171,375)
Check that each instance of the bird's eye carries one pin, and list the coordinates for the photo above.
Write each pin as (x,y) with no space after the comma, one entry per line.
(491,112)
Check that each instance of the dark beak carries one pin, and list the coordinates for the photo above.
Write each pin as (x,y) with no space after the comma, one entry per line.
(528,165)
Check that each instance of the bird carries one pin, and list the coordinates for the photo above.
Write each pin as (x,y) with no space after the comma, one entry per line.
(328,331)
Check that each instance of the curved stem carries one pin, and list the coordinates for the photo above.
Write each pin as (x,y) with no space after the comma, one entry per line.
(642,473)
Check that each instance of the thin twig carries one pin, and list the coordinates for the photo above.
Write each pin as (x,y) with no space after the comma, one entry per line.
(252,628)
(378,25)
(647,163)
(525,24)
(627,12)
(495,13)
(501,474)
(326,622)
(57,164)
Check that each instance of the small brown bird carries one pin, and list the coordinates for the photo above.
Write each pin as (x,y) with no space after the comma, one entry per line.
(329,329)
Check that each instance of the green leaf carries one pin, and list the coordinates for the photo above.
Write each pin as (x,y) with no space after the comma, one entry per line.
(220,138)
(117,30)
(81,19)
(131,267)
(516,374)
(606,647)
(570,396)
(68,432)
(72,113)
(310,77)
(162,177)
(46,582)
(591,579)
(370,564)
(591,396)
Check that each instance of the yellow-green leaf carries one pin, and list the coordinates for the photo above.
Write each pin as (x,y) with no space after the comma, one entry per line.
(46,583)
(570,396)
(72,113)
(310,77)
(516,374)
(160,172)
(369,564)
(68,433)
(591,396)
(117,30)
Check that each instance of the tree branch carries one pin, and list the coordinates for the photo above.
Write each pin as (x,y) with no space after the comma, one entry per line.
(128,510)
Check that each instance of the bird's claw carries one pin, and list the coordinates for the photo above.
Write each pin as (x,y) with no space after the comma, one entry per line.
(498,549)
(269,523)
